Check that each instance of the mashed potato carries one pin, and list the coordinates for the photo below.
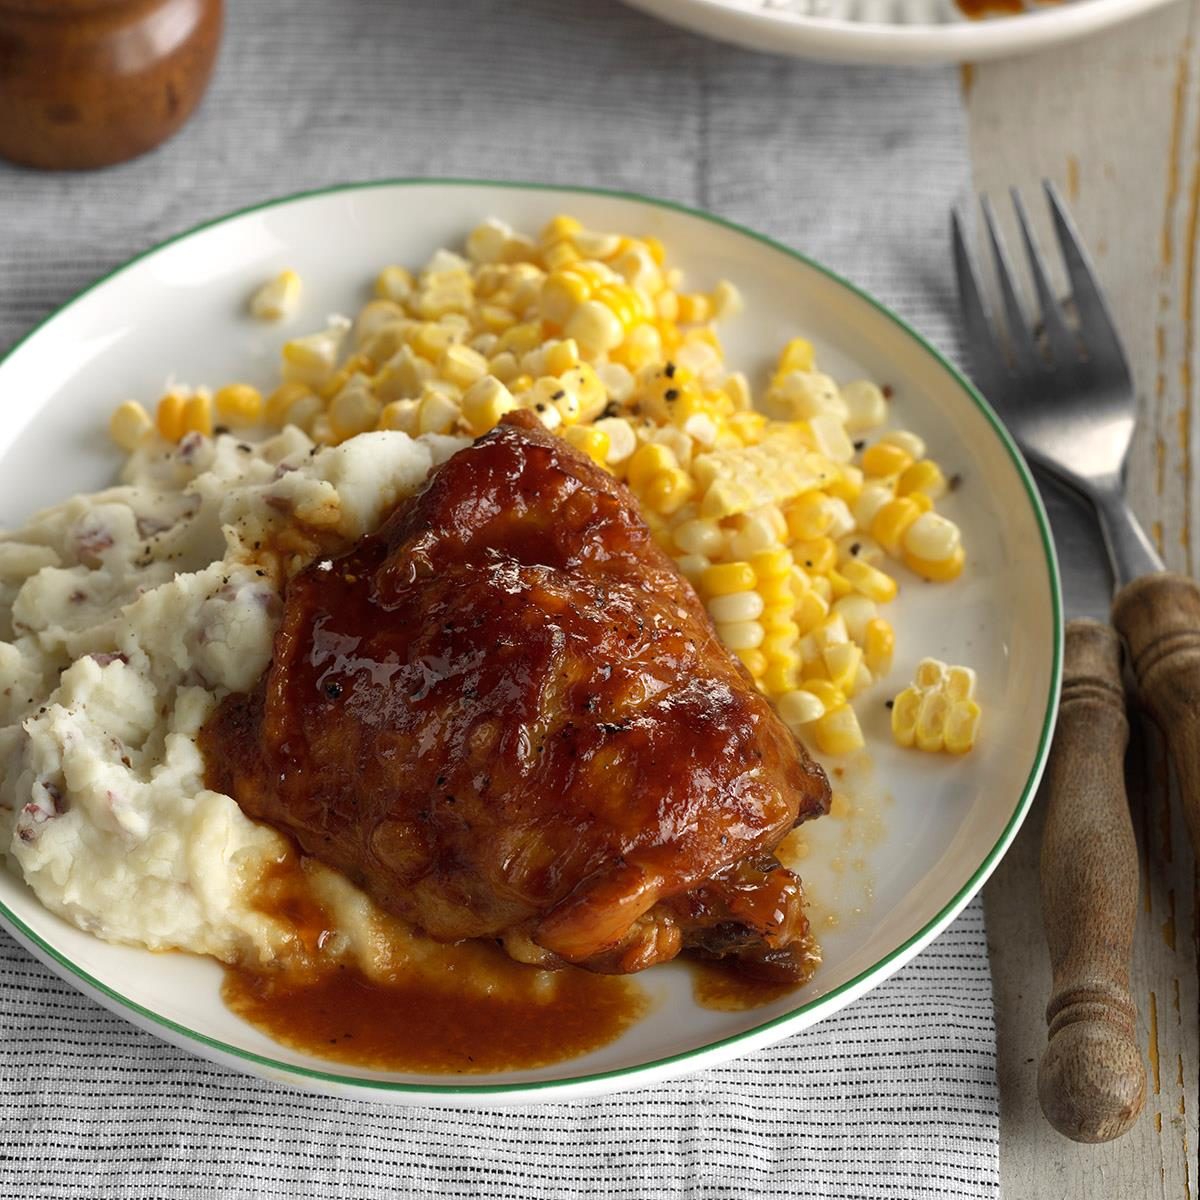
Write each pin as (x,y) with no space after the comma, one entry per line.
(125,616)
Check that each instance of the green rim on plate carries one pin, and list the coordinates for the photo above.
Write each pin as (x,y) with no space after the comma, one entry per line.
(925,933)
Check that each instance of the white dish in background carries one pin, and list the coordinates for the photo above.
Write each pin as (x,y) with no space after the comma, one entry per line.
(902,32)
(943,823)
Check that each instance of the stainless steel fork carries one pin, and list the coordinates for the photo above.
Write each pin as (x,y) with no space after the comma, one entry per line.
(1063,385)
(1067,395)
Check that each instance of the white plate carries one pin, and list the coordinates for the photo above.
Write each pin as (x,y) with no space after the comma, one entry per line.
(179,309)
(893,31)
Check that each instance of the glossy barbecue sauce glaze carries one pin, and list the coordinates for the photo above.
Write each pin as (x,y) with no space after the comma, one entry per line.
(505,690)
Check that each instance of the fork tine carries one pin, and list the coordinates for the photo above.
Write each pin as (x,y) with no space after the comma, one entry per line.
(985,353)
(1019,337)
(1064,349)
(1096,326)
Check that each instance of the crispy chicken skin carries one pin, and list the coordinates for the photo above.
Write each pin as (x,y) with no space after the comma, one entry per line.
(506,714)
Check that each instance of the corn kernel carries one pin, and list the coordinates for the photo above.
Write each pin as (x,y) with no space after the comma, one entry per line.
(925,477)
(694,308)
(723,578)
(885,459)
(278,298)
(938,712)
(809,516)
(282,399)
(741,635)
(865,405)
(462,366)
(932,537)
(755,661)
(891,522)
(961,726)
(879,643)
(647,462)
(936,572)
(912,444)
(735,606)
(239,404)
(772,564)
(622,441)
(847,485)
(838,732)
(484,403)
(400,415)
(869,581)
(558,229)
(668,491)
(842,662)
(818,556)
(438,413)
(797,355)
(590,441)
(798,708)
(393,283)
(352,411)
(197,415)
(811,609)
(129,423)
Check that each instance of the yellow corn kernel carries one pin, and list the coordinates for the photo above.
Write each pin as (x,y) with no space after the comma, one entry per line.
(462,366)
(879,643)
(777,617)
(648,461)
(809,516)
(352,411)
(930,731)
(590,441)
(520,339)
(393,283)
(847,484)
(169,416)
(839,585)
(838,732)
(925,477)
(818,557)
(772,564)
(780,675)
(642,347)
(520,384)
(666,305)
(197,415)
(829,695)
(937,572)
(400,415)
(797,355)
(595,328)
(239,404)
(869,581)
(561,356)
(310,359)
(282,399)
(694,308)
(438,413)
(304,411)
(484,403)
(495,318)
(891,522)
(624,302)
(961,726)
(905,708)
(724,578)
(811,609)
(558,229)
(277,298)
(668,491)
(562,293)
(129,423)
(885,459)
(657,251)
(754,660)
(842,662)
(561,254)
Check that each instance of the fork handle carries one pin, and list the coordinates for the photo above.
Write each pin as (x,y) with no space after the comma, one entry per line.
(1159,618)
(1091,1083)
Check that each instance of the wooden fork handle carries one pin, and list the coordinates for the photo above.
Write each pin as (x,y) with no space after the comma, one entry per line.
(1091,1082)
(1159,618)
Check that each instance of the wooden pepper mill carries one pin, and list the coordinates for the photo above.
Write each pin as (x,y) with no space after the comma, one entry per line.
(88,83)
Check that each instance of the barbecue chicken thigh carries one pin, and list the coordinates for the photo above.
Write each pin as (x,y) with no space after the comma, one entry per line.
(507,715)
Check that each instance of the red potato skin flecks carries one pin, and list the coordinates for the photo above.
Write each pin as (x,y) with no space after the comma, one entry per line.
(506,714)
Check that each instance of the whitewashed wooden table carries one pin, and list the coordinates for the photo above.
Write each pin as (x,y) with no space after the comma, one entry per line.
(1115,121)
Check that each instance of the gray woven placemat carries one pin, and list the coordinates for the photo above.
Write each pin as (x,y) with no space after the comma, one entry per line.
(894,1097)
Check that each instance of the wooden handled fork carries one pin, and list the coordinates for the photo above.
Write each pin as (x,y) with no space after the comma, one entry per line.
(1067,394)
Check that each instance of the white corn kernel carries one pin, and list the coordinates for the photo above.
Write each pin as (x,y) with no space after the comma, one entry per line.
(866,407)
(856,611)
(438,413)
(622,441)
(595,327)
(698,536)
(129,423)
(692,566)
(830,438)
(798,708)
(488,241)
(741,635)
(843,519)
(727,299)
(932,537)
(870,500)
(802,395)
(913,444)
(735,607)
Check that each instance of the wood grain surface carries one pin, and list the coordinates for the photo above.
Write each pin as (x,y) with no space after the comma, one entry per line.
(1115,121)
(1091,1082)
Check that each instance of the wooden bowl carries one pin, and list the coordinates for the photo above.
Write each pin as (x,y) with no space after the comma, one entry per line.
(87,83)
